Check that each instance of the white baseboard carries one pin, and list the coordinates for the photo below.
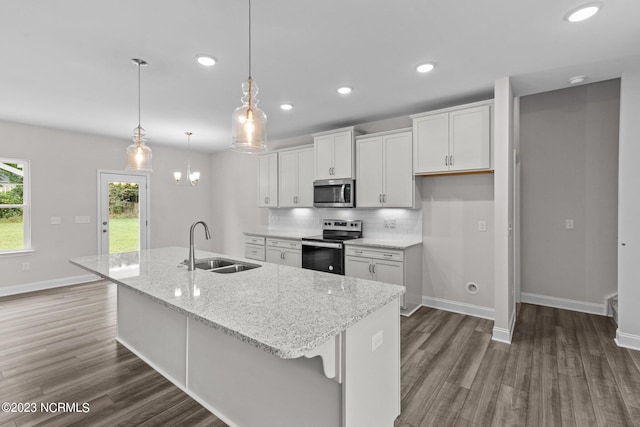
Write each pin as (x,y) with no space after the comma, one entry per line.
(458,307)
(627,340)
(567,304)
(505,335)
(46,284)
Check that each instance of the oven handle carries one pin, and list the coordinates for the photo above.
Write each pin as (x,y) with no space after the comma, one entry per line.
(322,244)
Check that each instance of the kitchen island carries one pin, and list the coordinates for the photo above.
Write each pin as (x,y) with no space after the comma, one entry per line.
(270,346)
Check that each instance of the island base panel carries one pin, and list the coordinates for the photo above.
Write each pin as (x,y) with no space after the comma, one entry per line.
(157,333)
(255,388)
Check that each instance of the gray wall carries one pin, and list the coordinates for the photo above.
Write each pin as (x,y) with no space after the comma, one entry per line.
(569,166)
(64,183)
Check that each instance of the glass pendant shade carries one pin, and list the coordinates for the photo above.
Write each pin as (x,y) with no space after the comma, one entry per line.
(249,123)
(138,153)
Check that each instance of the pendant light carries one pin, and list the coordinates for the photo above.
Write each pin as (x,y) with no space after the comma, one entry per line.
(191,177)
(138,153)
(249,123)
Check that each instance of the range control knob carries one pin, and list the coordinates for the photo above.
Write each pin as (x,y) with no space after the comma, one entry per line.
(331,268)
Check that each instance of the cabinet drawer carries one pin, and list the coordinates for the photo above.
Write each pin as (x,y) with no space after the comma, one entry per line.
(288,244)
(253,240)
(389,254)
(254,252)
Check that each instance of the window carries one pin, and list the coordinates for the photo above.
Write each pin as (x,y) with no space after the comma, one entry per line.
(15,235)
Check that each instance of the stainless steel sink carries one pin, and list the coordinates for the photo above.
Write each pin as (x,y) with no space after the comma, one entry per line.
(211,263)
(223,265)
(235,268)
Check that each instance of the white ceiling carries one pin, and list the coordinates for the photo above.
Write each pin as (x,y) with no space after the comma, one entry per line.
(66,63)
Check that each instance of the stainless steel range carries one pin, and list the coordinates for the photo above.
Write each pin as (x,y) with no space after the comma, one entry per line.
(326,252)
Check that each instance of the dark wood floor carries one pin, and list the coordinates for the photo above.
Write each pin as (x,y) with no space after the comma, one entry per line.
(563,368)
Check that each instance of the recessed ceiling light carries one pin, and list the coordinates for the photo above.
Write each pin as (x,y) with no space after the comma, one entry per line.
(583,12)
(344,90)
(425,68)
(206,60)
(286,107)
(577,80)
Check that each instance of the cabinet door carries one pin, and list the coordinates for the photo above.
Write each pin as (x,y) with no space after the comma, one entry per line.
(369,173)
(254,252)
(288,179)
(470,138)
(399,182)
(268,180)
(305,178)
(323,152)
(292,258)
(431,143)
(357,267)
(274,255)
(389,272)
(342,155)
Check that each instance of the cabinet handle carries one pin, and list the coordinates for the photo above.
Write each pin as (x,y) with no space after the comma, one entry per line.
(373,268)
(446,160)
(387,254)
(380,198)
(358,252)
(370,268)
(384,198)
(451,160)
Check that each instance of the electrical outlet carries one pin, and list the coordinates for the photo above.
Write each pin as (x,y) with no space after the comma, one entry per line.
(482,225)
(376,341)
(568,224)
(392,223)
(26,266)
(55,220)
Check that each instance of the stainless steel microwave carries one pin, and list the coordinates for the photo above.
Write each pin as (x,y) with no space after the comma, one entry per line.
(334,193)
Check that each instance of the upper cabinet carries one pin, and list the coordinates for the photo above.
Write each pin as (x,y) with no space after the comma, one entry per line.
(296,178)
(268,180)
(384,172)
(453,140)
(334,154)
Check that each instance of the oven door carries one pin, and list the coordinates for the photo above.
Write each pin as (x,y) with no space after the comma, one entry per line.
(323,256)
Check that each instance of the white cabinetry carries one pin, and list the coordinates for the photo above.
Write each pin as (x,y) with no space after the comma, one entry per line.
(384,170)
(268,180)
(254,247)
(397,266)
(296,178)
(334,154)
(285,252)
(453,140)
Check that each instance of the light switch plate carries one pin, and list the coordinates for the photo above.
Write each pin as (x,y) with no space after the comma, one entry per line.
(55,220)
(82,220)
(568,224)
(482,225)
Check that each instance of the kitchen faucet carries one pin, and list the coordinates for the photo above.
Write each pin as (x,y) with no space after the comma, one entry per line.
(192,256)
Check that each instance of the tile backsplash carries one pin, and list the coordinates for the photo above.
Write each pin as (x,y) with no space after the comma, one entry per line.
(307,220)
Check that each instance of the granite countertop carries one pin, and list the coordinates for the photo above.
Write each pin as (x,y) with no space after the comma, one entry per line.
(296,235)
(384,243)
(286,311)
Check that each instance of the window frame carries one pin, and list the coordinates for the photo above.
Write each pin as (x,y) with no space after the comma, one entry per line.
(25,206)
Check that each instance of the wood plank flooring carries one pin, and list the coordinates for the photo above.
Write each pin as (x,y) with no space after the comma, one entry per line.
(562,369)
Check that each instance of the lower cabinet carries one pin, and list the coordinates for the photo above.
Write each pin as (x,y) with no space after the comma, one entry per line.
(399,267)
(254,248)
(285,252)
